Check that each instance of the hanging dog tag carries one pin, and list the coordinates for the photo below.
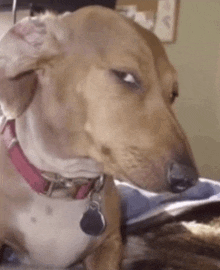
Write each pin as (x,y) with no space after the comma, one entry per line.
(93,221)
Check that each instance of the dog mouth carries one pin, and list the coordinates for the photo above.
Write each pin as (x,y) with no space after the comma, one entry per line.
(173,177)
(81,167)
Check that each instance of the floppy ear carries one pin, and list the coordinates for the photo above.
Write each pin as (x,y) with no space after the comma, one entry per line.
(23,49)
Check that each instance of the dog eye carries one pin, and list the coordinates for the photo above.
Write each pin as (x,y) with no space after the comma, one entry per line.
(127,78)
(175,92)
(174,95)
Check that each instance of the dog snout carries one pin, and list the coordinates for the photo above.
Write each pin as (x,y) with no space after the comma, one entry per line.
(181,177)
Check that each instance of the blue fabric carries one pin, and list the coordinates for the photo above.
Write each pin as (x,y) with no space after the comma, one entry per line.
(133,203)
(139,205)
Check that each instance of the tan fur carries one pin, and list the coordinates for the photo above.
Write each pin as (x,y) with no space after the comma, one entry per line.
(57,79)
(173,246)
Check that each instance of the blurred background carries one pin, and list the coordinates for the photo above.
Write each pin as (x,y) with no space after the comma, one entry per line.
(190,30)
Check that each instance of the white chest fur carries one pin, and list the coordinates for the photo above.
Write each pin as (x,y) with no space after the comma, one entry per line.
(51,230)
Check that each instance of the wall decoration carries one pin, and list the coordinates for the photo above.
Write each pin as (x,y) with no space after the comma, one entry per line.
(158,16)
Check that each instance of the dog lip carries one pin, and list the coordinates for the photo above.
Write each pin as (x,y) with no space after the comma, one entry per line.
(180,185)
(76,167)
(81,173)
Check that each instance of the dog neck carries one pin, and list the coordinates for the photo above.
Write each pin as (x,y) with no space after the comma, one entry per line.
(31,144)
(41,182)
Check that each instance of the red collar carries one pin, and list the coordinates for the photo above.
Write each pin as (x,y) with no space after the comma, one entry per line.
(30,173)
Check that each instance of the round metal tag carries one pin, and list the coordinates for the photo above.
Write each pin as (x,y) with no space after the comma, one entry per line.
(93,221)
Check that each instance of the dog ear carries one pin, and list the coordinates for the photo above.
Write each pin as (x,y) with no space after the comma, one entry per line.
(23,50)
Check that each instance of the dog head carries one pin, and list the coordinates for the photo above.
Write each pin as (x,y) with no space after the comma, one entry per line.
(95,85)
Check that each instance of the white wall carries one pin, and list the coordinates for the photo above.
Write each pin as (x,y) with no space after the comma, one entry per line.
(6,19)
(196,55)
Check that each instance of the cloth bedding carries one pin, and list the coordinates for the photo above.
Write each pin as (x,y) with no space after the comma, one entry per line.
(143,209)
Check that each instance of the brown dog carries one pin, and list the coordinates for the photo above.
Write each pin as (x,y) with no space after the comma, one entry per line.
(91,93)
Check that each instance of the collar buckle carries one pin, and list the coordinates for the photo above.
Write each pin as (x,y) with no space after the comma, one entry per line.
(3,123)
(50,189)
(54,180)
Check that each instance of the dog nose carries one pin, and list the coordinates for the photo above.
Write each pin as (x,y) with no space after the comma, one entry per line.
(181,177)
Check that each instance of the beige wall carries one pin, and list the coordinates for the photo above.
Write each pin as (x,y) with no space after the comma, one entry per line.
(6,19)
(196,55)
